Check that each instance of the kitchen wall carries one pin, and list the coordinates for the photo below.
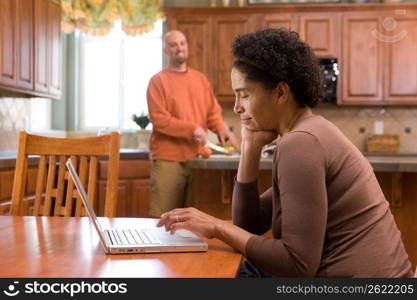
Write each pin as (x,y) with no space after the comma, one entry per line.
(22,114)
(40,115)
(358,122)
(35,114)
(355,122)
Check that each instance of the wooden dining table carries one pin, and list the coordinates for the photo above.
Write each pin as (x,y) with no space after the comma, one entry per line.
(70,247)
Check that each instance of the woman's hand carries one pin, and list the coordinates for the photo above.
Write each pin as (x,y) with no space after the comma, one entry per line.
(191,219)
(252,143)
(258,138)
(203,224)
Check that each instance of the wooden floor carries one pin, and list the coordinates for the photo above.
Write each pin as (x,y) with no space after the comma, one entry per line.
(208,195)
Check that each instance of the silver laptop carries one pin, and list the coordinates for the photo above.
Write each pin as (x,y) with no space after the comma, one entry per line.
(137,240)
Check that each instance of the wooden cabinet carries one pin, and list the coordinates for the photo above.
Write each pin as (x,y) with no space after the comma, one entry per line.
(16,44)
(321,32)
(133,189)
(379,59)
(8,44)
(210,33)
(399,40)
(30,47)
(24,47)
(197,29)
(6,187)
(209,40)
(361,64)
(41,46)
(275,20)
(226,28)
(376,44)
(47,48)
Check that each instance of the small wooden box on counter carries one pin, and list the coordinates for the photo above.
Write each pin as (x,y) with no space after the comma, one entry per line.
(383,143)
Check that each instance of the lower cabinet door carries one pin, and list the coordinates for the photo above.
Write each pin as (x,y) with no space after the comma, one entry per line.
(132,201)
(139,204)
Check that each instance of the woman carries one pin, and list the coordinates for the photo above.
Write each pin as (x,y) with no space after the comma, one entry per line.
(328,215)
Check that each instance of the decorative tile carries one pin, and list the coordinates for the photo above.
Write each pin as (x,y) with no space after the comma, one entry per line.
(396,119)
(13,115)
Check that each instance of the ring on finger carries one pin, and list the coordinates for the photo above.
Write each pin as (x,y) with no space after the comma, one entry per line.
(178,218)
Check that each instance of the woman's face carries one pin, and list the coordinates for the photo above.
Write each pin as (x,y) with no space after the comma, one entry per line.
(255,104)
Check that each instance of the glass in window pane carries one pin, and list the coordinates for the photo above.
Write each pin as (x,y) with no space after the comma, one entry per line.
(142,60)
(101,93)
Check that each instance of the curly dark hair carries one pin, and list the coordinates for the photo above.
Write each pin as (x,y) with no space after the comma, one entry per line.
(271,56)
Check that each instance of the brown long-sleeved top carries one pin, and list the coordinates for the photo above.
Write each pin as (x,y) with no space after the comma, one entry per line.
(178,102)
(328,214)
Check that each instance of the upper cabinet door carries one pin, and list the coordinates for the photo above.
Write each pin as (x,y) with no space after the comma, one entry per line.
(54,48)
(197,29)
(24,47)
(8,35)
(287,21)
(399,37)
(225,29)
(41,46)
(321,32)
(47,47)
(30,47)
(361,65)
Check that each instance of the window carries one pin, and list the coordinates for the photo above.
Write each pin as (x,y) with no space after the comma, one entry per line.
(115,71)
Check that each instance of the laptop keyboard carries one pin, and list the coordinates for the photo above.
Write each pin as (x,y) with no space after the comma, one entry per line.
(142,236)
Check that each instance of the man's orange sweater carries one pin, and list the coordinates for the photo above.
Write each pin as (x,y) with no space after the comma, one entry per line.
(178,102)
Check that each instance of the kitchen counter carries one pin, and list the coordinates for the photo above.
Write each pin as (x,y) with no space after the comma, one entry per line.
(396,164)
(224,162)
(8,159)
(380,163)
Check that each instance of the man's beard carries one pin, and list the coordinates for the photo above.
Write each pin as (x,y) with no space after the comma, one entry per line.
(180,60)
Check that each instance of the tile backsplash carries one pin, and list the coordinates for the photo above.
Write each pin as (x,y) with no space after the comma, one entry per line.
(18,114)
(358,122)
(355,122)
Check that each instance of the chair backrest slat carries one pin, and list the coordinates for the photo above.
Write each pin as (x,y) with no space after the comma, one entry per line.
(59,199)
(92,182)
(69,200)
(83,178)
(40,185)
(49,186)
(55,191)
(110,207)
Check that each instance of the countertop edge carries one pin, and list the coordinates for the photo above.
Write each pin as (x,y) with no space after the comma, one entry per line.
(9,161)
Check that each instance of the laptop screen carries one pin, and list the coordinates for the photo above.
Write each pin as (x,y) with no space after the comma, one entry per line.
(90,211)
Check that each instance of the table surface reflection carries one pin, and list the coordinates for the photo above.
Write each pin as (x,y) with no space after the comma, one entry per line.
(70,247)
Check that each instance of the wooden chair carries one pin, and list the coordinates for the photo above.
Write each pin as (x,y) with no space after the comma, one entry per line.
(56,194)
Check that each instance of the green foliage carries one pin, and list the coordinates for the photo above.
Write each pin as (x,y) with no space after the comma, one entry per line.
(142,120)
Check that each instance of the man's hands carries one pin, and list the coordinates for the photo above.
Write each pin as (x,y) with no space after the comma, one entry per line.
(226,136)
(200,136)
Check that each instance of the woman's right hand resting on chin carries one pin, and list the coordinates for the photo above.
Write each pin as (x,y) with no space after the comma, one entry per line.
(258,138)
(252,143)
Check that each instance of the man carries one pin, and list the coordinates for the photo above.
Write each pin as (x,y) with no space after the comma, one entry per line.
(182,107)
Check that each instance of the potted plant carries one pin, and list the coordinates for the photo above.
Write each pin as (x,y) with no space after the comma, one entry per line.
(143,135)
(142,121)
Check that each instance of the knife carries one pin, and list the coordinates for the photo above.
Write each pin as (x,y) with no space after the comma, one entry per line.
(217,148)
